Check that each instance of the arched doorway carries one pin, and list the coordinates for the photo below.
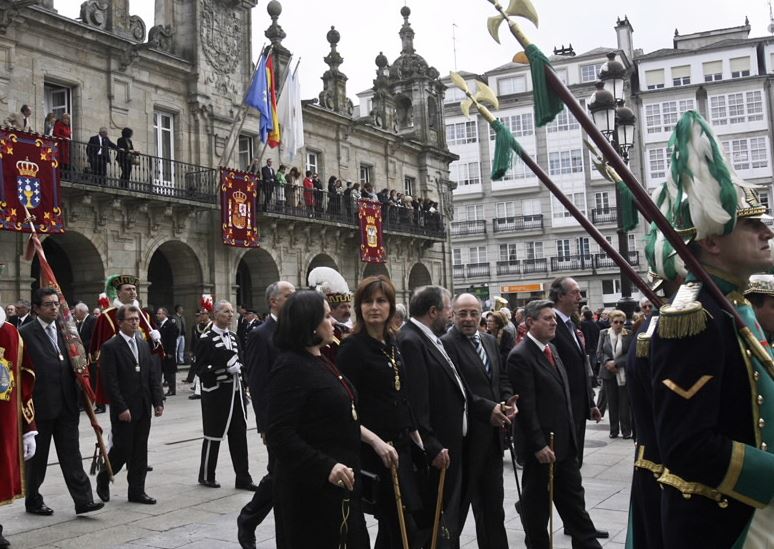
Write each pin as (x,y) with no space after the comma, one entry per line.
(174,278)
(419,276)
(375,269)
(320,260)
(77,265)
(256,270)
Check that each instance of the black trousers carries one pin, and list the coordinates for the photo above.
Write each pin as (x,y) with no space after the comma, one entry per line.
(261,505)
(237,446)
(64,431)
(483,480)
(169,369)
(130,448)
(580,437)
(569,499)
(618,407)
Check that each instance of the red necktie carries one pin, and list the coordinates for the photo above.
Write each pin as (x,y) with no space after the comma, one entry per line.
(549,355)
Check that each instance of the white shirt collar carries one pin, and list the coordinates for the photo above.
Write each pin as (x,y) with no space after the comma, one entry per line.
(541,346)
(219,331)
(273,316)
(42,322)
(563,316)
(126,337)
(425,330)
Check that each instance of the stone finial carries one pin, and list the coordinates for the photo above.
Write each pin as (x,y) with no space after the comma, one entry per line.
(334,94)
(274,33)
(333,59)
(406,32)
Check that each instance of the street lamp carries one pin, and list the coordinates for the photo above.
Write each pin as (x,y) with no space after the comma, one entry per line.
(616,122)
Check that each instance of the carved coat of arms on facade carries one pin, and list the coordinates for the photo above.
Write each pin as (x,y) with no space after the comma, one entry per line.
(220,35)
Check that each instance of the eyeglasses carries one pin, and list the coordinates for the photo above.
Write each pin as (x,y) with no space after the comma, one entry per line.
(618,322)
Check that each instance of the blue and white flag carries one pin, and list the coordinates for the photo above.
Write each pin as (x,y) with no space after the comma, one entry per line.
(258,98)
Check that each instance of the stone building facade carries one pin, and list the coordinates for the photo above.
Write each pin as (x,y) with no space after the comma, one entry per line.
(179,86)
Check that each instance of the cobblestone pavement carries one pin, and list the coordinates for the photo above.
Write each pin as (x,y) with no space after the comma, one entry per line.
(192,516)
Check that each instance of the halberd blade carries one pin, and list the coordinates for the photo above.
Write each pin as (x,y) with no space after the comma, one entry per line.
(523,8)
(465,107)
(485,94)
(493,24)
(458,81)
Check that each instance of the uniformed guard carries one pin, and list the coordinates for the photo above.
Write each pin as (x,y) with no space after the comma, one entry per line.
(713,398)
(330,283)
(760,294)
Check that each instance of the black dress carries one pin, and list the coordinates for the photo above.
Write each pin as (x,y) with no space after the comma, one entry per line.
(385,411)
(311,428)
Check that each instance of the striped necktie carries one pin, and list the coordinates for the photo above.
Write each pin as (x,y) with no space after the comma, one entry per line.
(476,340)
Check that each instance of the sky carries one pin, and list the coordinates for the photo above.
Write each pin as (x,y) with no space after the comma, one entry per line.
(443,26)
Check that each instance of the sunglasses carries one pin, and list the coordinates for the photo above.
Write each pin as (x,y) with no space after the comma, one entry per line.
(618,322)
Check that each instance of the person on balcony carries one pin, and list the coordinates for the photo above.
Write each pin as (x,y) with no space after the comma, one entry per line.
(126,156)
(64,132)
(291,192)
(309,192)
(268,180)
(21,120)
(333,196)
(318,192)
(48,124)
(281,184)
(98,154)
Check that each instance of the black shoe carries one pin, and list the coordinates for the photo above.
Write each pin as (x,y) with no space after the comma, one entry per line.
(170,393)
(148,468)
(599,534)
(142,498)
(5,543)
(250,486)
(627,437)
(194,397)
(209,483)
(246,538)
(103,487)
(613,435)
(100,409)
(42,510)
(89,507)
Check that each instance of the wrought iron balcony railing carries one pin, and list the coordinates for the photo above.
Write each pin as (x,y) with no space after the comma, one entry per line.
(518,223)
(604,261)
(572,263)
(476,270)
(509,267)
(604,215)
(539,265)
(462,228)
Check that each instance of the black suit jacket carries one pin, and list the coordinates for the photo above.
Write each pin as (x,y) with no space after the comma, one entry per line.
(16,320)
(260,356)
(127,388)
(268,175)
(86,328)
(94,152)
(491,391)
(55,391)
(169,332)
(544,402)
(574,360)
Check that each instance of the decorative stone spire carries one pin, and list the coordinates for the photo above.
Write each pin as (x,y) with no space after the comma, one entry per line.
(334,94)
(276,35)
(113,17)
(406,32)
(383,103)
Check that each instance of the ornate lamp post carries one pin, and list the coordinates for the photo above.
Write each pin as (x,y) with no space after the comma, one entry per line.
(616,122)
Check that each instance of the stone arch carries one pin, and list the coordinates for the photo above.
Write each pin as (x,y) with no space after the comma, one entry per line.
(256,269)
(405,112)
(320,260)
(77,265)
(419,276)
(174,277)
(375,269)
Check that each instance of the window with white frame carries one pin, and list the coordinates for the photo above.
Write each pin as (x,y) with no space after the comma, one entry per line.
(58,100)
(505,209)
(563,122)
(560,212)
(602,201)
(562,74)
(611,286)
(520,125)
(590,72)
(454,94)
(740,67)
(245,151)
(477,254)
(456,256)
(474,212)
(563,248)
(763,196)
(583,246)
(531,207)
(313,161)
(518,170)
(662,117)
(164,130)
(533,250)
(718,112)
(409,185)
(759,156)
(713,71)
(632,242)
(654,80)
(511,84)
(366,173)
(507,252)
(747,153)
(465,173)
(565,162)
(653,118)
(736,108)
(754,102)
(681,76)
(659,160)
(461,133)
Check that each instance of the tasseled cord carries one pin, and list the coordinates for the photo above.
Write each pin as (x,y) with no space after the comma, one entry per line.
(547,104)
(505,145)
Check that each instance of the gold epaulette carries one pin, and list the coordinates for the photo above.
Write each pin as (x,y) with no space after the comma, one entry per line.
(690,489)
(643,338)
(685,316)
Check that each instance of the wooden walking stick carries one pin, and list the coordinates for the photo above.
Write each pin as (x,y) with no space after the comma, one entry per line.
(399,504)
(438,505)
(551,493)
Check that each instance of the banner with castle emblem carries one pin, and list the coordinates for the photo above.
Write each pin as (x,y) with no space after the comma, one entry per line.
(29,176)
(238,197)
(371,238)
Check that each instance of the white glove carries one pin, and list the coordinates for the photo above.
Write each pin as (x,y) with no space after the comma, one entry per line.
(28,441)
(233,366)
(155,336)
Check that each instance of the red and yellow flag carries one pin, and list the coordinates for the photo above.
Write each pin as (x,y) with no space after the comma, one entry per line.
(275,136)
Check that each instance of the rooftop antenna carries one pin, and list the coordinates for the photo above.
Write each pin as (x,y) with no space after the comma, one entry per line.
(771,19)
(454,43)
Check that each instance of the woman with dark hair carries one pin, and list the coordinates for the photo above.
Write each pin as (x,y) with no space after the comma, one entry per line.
(125,155)
(314,432)
(495,325)
(370,358)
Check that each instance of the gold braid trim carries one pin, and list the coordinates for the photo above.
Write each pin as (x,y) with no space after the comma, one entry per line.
(689,489)
(656,468)
(643,346)
(688,321)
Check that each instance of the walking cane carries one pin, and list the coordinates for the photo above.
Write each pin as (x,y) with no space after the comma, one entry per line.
(551,493)
(438,504)
(399,504)
(509,440)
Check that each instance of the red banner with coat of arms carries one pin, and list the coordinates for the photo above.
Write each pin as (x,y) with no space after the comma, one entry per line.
(238,197)
(29,176)
(371,239)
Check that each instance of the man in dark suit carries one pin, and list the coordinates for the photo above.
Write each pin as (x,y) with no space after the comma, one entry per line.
(22,315)
(478,359)
(268,180)
(260,357)
(248,325)
(56,407)
(438,395)
(566,294)
(84,322)
(539,378)
(169,331)
(134,387)
(98,154)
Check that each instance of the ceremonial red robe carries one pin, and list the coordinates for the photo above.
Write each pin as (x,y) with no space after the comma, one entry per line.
(17,414)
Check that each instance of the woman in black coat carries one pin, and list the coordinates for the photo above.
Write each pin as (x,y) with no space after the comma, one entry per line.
(125,155)
(371,359)
(314,432)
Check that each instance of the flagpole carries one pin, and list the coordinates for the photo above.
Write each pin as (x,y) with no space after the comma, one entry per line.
(281,89)
(236,127)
